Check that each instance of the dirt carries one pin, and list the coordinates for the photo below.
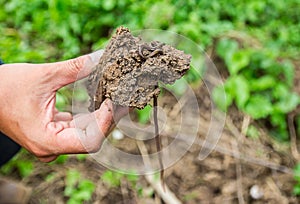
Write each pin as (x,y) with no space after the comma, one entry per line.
(239,170)
(227,175)
(130,69)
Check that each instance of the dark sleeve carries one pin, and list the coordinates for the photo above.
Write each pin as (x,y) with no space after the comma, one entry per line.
(8,148)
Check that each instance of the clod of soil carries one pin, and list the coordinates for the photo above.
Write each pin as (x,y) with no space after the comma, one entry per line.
(130,69)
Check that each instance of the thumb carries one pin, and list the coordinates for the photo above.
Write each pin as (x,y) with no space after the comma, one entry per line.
(75,69)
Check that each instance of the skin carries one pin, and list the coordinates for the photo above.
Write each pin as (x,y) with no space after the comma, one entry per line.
(29,117)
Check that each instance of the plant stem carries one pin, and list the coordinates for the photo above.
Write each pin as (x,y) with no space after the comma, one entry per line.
(158,140)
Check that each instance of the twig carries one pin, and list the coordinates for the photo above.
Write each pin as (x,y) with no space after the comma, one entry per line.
(272,185)
(165,193)
(245,125)
(158,140)
(157,200)
(222,150)
(293,137)
(238,174)
(234,130)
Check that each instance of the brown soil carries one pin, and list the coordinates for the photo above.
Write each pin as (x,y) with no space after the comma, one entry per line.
(237,165)
(130,69)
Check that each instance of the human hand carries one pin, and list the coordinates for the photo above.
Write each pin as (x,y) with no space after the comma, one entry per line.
(28,114)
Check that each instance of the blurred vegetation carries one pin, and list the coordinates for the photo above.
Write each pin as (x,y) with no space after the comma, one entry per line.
(41,30)
(258,42)
(296,189)
(78,189)
(254,36)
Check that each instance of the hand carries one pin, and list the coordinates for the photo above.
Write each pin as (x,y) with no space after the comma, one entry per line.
(28,114)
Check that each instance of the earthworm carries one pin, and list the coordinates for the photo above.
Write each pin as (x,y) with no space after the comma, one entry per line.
(156,49)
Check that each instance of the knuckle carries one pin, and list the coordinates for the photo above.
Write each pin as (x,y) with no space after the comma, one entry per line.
(76,64)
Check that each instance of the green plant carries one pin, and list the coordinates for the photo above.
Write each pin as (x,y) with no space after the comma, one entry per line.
(260,81)
(296,189)
(81,157)
(113,178)
(22,162)
(78,189)
(61,159)
(259,84)
(143,115)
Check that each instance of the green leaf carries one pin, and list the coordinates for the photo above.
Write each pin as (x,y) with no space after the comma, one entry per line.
(237,86)
(112,178)
(278,120)
(50,177)
(87,185)
(73,201)
(82,195)
(258,107)
(252,132)
(80,94)
(222,99)
(61,101)
(242,92)
(296,190)
(132,177)
(287,104)
(192,75)
(69,190)
(144,114)
(159,15)
(280,91)
(238,61)
(61,159)
(72,179)
(109,4)
(226,48)
(25,167)
(297,172)
(262,83)
(85,190)
(180,86)
(81,157)
(288,71)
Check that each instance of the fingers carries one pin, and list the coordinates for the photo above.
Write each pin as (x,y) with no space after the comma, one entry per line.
(63,116)
(85,133)
(47,159)
(95,56)
(82,121)
(120,111)
(69,71)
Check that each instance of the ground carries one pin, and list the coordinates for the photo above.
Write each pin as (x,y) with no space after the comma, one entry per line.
(238,170)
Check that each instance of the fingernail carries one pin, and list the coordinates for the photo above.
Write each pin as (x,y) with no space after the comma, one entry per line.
(95,56)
